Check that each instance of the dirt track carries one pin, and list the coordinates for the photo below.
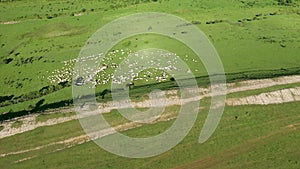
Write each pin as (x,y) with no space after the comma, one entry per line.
(288,95)
(9,22)
(86,138)
(276,97)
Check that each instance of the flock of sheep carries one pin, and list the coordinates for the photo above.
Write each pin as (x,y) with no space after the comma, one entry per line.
(129,66)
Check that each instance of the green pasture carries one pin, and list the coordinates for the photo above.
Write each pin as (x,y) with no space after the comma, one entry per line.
(254,38)
(247,136)
(248,35)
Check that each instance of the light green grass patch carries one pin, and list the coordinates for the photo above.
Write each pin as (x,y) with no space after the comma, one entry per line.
(17,124)
(44,117)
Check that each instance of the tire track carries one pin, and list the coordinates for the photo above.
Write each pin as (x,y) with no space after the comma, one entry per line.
(29,122)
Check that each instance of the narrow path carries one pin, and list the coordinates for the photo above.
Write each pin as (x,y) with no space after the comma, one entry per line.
(86,138)
(9,22)
(29,122)
(275,97)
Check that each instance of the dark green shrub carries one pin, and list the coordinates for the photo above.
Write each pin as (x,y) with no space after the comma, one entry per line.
(104,92)
(8,60)
(5,98)
(285,2)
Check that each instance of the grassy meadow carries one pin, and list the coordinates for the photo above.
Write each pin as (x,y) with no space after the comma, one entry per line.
(263,137)
(250,36)
(40,40)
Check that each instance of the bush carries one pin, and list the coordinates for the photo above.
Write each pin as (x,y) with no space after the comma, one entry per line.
(285,2)
(33,95)
(8,60)
(104,92)
(5,98)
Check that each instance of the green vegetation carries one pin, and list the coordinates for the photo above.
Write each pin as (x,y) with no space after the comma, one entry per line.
(60,132)
(44,117)
(258,131)
(17,124)
(40,40)
(250,36)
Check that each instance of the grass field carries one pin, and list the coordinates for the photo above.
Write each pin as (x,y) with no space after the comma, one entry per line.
(251,36)
(41,40)
(262,134)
